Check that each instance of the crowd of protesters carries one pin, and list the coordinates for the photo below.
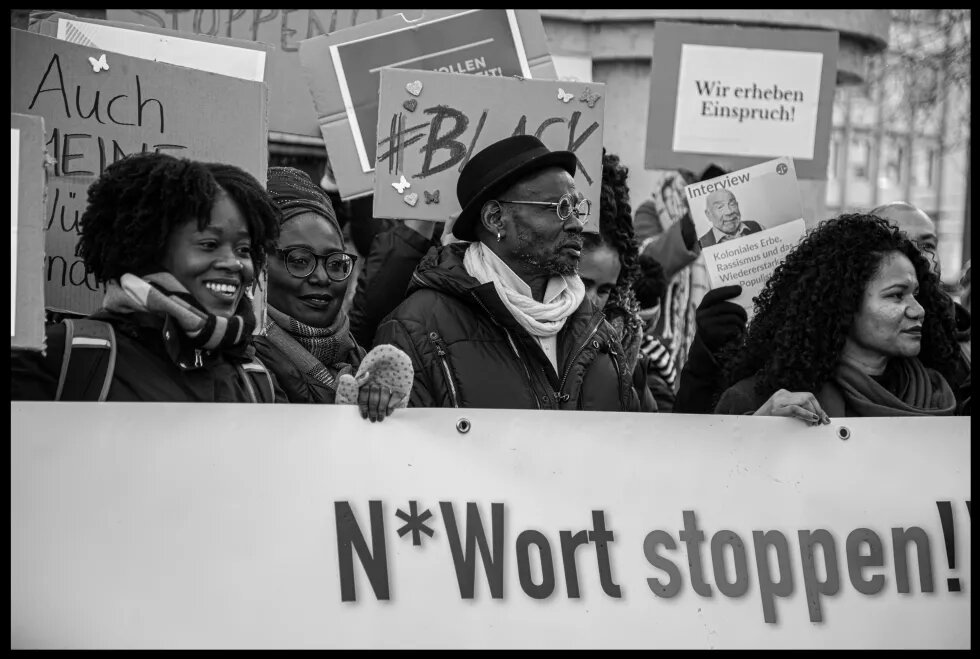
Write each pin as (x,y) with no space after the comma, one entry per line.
(530,298)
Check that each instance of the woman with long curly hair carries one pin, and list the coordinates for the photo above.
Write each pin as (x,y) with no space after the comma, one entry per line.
(852,323)
(177,244)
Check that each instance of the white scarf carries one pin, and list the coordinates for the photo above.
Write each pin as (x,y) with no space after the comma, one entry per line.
(540,319)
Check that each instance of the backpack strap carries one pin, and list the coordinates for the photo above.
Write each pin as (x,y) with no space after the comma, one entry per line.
(88,361)
(258,379)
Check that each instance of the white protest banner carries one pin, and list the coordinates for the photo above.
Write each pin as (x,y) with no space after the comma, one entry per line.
(739,95)
(235,526)
(26,231)
(343,71)
(291,109)
(746,223)
(430,124)
(99,106)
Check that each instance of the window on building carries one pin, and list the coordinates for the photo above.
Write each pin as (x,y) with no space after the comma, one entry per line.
(833,157)
(894,160)
(860,158)
(924,166)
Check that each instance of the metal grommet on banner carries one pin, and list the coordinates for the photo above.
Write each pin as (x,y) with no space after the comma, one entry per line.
(463,425)
(843,432)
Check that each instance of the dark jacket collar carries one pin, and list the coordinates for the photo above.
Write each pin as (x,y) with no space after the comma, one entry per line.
(162,334)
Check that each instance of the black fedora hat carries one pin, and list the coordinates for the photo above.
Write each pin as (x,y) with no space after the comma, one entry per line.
(497,167)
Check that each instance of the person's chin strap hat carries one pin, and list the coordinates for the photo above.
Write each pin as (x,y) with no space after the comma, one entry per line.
(496,168)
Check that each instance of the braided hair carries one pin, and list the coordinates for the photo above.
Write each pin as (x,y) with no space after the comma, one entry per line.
(616,231)
(140,200)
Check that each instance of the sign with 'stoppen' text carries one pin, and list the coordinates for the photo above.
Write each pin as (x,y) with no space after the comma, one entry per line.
(446,528)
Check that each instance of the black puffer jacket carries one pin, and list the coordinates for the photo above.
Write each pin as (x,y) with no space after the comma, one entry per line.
(468,351)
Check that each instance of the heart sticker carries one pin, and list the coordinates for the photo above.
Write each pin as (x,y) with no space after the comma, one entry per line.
(414,88)
(410,104)
(411,198)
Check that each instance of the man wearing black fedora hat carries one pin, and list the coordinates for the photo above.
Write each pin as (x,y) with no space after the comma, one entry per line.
(502,320)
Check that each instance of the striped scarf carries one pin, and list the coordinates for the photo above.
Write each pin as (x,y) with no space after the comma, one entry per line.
(162,294)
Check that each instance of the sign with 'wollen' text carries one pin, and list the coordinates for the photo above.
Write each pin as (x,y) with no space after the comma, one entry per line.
(430,124)
(99,106)
(343,71)
(151,525)
(735,96)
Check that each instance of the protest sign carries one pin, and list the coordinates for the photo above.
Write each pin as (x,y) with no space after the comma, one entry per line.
(99,106)
(290,105)
(343,71)
(26,231)
(746,222)
(430,124)
(735,96)
(230,57)
(172,525)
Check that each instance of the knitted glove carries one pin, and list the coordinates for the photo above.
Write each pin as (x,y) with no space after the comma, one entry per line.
(720,322)
(386,365)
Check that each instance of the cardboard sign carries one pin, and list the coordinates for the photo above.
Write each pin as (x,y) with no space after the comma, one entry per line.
(138,525)
(427,144)
(290,106)
(343,71)
(747,221)
(99,106)
(26,231)
(735,96)
(229,57)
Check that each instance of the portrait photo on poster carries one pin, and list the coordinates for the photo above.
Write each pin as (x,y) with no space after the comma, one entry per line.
(746,221)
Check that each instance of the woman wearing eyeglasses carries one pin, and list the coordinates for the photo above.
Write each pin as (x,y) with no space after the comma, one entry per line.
(307,343)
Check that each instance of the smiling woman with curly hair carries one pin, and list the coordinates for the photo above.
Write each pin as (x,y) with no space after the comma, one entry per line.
(178,245)
(852,323)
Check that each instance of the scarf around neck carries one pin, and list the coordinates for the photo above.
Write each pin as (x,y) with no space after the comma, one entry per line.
(921,391)
(323,353)
(540,319)
(161,294)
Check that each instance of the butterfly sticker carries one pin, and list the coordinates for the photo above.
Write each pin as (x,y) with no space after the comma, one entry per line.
(431,198)
(564,96)
(401,185)
(589,97)
(99,64)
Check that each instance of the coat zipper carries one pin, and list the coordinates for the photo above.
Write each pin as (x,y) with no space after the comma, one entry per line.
(568,367)
(513,346)
(619,374)
(441,352)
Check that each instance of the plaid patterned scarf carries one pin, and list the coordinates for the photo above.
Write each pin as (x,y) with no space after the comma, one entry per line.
(321,352)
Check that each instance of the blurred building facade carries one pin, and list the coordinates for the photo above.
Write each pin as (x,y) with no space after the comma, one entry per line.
(904,133)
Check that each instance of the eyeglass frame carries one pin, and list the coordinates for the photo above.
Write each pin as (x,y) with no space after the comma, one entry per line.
(568,195)
(318,259)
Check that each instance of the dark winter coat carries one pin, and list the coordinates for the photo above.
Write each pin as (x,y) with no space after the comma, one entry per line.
(381,286)
(468,351)
(153,363)
(298,386)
